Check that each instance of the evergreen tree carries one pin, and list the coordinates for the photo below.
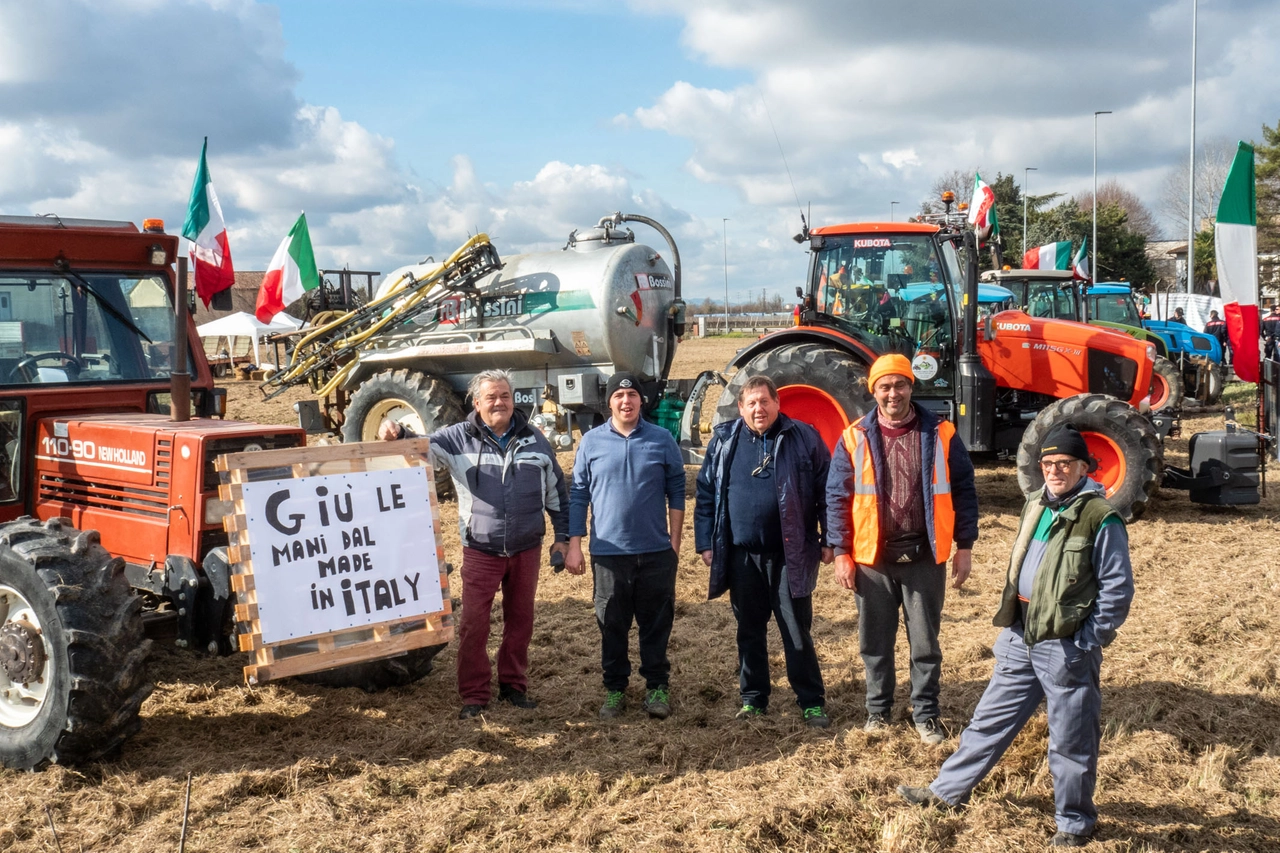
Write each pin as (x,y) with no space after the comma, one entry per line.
(1267,174)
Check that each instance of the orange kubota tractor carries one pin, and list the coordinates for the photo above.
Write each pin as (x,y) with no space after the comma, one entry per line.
(110,523)
(876,288)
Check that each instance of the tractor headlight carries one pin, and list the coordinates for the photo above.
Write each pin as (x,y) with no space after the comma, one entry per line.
(215,510)
(1151,352)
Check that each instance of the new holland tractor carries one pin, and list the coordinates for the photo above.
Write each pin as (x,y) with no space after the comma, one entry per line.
(110,523)
(881,287)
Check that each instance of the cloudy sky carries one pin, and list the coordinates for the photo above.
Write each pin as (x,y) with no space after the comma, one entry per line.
(402,127)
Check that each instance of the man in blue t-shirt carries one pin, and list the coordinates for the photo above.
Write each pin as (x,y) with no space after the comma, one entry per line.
(621,468)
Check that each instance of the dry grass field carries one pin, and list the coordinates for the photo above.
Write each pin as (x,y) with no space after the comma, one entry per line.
(1190,755)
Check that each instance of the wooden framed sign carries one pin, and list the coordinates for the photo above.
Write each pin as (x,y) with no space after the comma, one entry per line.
(336,555)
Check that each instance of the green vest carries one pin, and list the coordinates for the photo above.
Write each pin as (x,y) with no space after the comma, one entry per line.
(1066,585)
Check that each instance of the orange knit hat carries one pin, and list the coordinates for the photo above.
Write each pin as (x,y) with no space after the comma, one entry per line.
(888,365)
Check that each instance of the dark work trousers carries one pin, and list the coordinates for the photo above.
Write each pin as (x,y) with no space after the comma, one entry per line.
(482,575)
(757,589)
(1068,679)
(917,589)
(640,587)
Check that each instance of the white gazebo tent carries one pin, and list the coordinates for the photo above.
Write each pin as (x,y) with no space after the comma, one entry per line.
(243,325)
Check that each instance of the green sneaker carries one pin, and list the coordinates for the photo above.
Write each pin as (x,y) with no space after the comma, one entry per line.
(615,702)
(657,702)
(749,712)
(816,717)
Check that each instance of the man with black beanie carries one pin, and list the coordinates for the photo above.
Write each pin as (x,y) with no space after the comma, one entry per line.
(1067,592)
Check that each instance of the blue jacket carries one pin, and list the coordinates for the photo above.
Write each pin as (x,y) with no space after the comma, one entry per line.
(802,461)
(502,494)
(964,494)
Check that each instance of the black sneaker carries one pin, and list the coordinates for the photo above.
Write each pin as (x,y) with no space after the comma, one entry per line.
(507,693)
(816,717)
(657,703)
(469,711)
(749,712)
(1068,839)
(615,702)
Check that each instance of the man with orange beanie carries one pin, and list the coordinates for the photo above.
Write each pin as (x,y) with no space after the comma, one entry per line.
(900,495)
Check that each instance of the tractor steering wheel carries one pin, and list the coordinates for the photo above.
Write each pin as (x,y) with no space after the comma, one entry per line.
(27,368)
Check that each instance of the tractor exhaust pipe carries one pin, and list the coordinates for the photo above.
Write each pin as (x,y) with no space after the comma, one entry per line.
(976,419)
(179,377)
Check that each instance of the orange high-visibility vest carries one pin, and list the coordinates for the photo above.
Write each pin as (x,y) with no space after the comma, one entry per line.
(864,509)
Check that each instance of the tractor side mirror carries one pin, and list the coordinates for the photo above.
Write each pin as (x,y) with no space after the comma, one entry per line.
(221,300)
(799,292)
(988,328)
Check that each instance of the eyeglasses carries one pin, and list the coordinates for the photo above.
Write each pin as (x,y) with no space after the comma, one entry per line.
(763,470)
(1058,465)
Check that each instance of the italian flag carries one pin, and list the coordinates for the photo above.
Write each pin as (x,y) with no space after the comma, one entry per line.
(982,209)
(1080,264)
(1050,256)
(1235,238)
(291,274)
(205,228)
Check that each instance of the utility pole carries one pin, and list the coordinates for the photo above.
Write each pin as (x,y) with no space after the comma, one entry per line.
(1025,177)
(1093,270)
(891,204)
(1191,180)
(724,225)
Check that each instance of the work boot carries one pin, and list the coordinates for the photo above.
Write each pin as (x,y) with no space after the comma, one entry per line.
(931,731)
(469,711)
(657,702)
(923,797)
(749,712)
(615,702)
(876,723)
(517,697)
(1068,839)
(816,717)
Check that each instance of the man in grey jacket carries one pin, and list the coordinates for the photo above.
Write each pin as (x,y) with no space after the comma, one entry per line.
(506,475)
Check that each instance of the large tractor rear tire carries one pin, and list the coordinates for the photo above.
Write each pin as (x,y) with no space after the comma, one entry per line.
(422,403)
(1130,459)
(376,675)
(1167,389)
(72,654)
(820,385)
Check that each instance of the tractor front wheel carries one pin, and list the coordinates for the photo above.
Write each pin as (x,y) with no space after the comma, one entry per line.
(820,385)
(1130,459)
(1167,389)
(72,653)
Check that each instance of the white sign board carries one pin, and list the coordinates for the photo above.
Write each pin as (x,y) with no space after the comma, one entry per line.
(341,551)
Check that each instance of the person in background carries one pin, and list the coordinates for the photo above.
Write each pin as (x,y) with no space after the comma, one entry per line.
(506,475)
(631,475)
(1067,592)
(900,493)
(1271,331)
(757,524)
(1217,327)
(1178,316)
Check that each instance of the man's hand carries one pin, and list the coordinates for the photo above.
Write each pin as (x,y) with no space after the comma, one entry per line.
(828,555)
(961,564)
(573,560)
(389,430)
(707,555)
(846,571)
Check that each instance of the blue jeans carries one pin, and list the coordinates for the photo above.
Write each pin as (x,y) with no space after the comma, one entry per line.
(1067,678)
(758,589)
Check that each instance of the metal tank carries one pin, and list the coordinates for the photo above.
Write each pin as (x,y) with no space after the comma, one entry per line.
(562,322)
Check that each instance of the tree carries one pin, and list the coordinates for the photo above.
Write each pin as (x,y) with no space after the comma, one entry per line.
(1213,161)
(1122,252)
(1137,215)
(1206,262)
(1267,176)
(956,181)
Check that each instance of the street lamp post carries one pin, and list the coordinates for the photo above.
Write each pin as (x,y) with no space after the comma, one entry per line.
(1093,267)
(724,224)
(1191,177)
(891,204)
(1024,206)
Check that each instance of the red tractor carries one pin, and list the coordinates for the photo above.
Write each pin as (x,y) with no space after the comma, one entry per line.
(110,523)
(882,287)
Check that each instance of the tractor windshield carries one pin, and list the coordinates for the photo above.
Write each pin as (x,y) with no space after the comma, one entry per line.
(1053,299)
(891,288)
(89,327)
(1114,308)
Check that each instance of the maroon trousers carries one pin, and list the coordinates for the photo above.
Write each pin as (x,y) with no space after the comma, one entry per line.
(482,576)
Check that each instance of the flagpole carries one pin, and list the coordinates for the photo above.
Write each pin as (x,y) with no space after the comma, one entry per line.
(1093,270)
(1025,177)
(1191,180)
